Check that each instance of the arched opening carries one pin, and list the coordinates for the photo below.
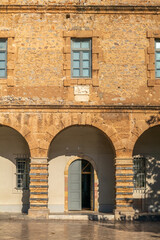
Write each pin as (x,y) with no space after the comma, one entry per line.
(82,143)
(86,192)
(14,171)
(146,155)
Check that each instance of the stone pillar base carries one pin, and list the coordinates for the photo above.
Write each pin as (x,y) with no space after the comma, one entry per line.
(124,214)
(38,214)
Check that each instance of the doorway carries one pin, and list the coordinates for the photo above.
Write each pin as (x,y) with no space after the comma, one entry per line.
(80,185)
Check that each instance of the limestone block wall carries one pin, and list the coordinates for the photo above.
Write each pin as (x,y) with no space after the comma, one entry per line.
(36,73)
(41,126)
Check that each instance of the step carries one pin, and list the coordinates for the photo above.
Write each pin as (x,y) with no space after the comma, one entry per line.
(68,217)
(91,217)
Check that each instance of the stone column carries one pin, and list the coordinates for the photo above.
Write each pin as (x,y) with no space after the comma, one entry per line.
(38,188)
(124,188)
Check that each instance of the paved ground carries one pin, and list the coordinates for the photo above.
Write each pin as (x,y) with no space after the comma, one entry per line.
(69,230)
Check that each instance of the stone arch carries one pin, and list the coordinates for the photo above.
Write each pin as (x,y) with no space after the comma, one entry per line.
(143,131)
(109,132)
(24,132)
(23,129)
(16,121)
(72,142)
(138,131)
(89,159)
(14,155)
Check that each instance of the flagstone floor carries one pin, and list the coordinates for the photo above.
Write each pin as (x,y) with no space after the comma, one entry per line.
(79,230)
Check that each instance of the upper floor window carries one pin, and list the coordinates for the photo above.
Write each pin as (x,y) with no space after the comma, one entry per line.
(139,172)
(81,58)
(157,56)
(22,173)
(3,58)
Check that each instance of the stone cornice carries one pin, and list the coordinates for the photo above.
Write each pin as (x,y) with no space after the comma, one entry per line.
(82,107)
(81,9)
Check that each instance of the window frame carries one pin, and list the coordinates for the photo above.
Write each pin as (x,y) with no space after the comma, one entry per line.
(153,81)
(97,55)
(25,178)
(11,57)
(81,51)
(4,51)
(139,168)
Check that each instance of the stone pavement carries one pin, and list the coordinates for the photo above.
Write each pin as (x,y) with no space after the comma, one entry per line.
(78,230)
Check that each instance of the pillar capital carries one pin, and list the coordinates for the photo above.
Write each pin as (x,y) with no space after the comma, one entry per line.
(124,153)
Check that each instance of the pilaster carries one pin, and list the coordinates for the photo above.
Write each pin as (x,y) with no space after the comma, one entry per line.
(124,188)
(38,188)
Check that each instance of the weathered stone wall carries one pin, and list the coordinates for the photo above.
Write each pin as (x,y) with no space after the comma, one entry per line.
(39,127)
(37,62)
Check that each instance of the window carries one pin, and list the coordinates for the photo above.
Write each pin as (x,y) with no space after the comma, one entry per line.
(157,57)
(153,58)
(91,75)
(22,173)
(3,58)
(139,172)
(80,58)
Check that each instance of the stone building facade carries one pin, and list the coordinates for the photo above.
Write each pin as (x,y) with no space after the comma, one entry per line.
(51,118)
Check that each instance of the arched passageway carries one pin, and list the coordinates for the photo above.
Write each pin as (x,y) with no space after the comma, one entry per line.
(147,171)
(83,143)
(14,171)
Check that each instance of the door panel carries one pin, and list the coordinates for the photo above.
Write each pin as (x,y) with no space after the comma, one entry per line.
(74,186)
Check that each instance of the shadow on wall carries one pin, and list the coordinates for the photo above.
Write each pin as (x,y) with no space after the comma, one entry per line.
(149,200)
(148,147)
(149,197)
(153,184)
(25,201)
